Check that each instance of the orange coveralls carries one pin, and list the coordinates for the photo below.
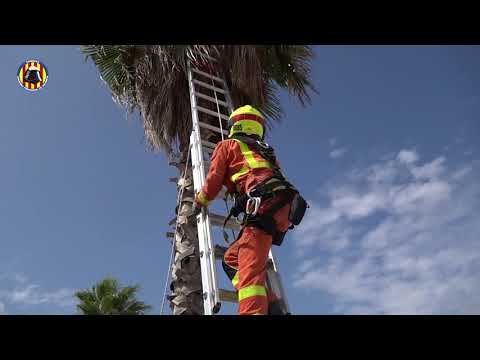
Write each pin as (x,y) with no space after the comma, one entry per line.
(249,254)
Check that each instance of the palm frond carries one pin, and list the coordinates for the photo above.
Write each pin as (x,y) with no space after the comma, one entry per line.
(152,79)
(108,298)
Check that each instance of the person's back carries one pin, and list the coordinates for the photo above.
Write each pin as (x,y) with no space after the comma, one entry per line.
(230,167)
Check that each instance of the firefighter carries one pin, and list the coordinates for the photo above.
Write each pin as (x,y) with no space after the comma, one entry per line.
(248,168)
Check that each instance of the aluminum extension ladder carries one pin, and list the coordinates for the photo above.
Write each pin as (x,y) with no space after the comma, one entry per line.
(210,106)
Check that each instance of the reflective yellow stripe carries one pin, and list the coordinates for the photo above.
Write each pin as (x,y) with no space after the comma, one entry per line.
(252,290)
(202,198)
(249,127)
(251,161)
(235,279)
(242,172)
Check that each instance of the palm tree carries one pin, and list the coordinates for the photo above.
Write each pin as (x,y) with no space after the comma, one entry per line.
(108,298)
(153,80)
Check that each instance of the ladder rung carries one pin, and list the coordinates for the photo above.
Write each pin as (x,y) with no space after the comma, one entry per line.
(206,97)
(209,144)
(204,55)
(210,76)
(227,295)
(210,112)
(218,220)
(211,127)
(208,86)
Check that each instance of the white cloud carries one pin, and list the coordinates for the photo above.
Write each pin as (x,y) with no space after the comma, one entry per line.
(21,292)
(332,141)
(461,173)
(357,206)
(396,239)
(430,170)
(410,197)
(385,172)
(316,218)
(306,265)
(407,156)
(33,295)
(337,153)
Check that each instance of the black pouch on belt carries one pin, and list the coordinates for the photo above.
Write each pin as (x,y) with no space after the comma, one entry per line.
(297,209)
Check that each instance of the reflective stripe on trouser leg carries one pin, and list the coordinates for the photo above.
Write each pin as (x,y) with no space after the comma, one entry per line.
(251,291)
(249,254)
(250,304)
(252,254)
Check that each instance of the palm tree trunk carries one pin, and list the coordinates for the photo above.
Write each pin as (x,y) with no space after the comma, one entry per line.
(186,285)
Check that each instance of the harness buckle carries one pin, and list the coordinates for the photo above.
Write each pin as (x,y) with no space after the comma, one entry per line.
(263,144)
(253,204)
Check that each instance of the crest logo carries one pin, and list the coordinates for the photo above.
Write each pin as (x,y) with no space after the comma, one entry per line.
(32,75)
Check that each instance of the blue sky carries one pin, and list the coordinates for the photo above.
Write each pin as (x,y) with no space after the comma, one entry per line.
(387,155)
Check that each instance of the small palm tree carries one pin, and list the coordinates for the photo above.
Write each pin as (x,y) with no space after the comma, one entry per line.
(153,80)
(108,298)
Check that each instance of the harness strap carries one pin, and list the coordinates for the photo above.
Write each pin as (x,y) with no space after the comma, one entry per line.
(270,186)
(265,150)
(265,190)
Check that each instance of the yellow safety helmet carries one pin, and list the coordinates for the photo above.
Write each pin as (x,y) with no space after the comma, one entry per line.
(247,120)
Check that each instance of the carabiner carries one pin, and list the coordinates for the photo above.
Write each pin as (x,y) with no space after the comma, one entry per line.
(253,204)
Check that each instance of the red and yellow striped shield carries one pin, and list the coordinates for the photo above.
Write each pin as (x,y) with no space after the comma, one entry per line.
(41,76)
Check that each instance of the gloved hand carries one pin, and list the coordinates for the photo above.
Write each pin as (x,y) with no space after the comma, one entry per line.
(197,206)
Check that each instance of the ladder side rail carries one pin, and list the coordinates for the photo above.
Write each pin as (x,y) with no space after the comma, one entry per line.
(207,256)
(275,280)
(273,276)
